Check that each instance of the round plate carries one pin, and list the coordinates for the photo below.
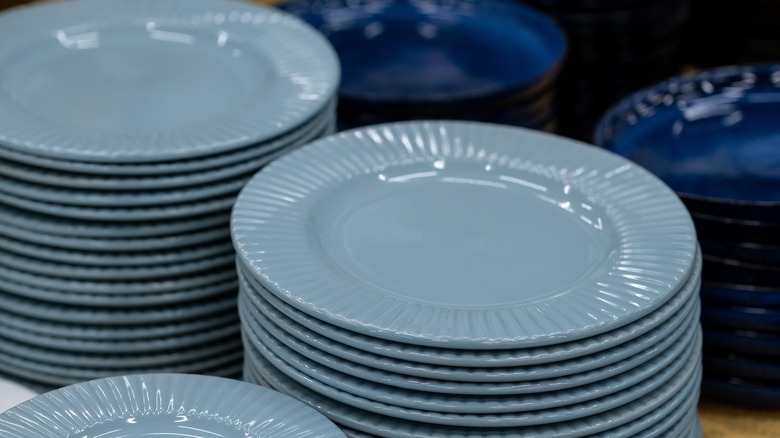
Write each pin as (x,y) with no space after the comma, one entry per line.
(501,358)
(13,394)
(86,272)
(377,217)
(114,317)
(96,259)
(109,287)
(76,331)
(742,366)
(138,405)
(329,380)
(748,392)
(432,378)
(743,251)
(741,318)
(166,80)
(740,295)
(670,394)
(111,177)
(743,341)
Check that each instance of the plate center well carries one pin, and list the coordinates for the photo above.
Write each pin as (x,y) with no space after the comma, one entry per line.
(463,233)
(163,426)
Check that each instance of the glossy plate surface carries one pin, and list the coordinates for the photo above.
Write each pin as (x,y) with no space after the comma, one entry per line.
(168,405)
(464,235)
(157,80)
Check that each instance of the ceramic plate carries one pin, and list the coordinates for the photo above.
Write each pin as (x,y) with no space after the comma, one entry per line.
(375,220)
(13,394)
(109,287)
(164,80)
(669,395)
(171,242)
(141,273)
(500,381)
(114,317)
(742,317)
(115,259)
(639,330)
(165,175)
(99,228)
(328,380)
(80,331)
(748,392)
(744,366)
(743,341)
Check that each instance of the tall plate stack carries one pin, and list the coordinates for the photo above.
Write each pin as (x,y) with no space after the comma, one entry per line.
(471,280)
(126,131)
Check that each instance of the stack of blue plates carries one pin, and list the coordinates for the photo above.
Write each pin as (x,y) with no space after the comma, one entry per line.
(617,46)
(465,279)
(170,405)
(126,131)
(712,136)
(440,59)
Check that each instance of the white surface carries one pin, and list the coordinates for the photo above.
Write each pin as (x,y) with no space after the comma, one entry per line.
(11,394)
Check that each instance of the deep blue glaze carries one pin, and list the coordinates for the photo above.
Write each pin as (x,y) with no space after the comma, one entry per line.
(742,341)
(736,230)
(743,251)
(724,270)
(739,295)
(742,366)
(712,136)
(433,50)
(755,393)
(743,318)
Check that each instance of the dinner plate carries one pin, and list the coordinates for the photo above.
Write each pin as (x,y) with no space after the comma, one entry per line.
(740,295)
(498,358)
(552,201)
(141,273)
(743,366)
(742,317)
(70,330)
(671,394)
(748,392)
(166,80)
(171,242)
(165,404)
(13,394)
(114,317)
(113,346)
(118,259)
(501,381)
(327,380)
(166,175)
(171,212)
(64,363)
(116,300)
(743,341)
(112,287)
(743,251)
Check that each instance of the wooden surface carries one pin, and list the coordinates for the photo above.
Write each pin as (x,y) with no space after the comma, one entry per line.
(722,420)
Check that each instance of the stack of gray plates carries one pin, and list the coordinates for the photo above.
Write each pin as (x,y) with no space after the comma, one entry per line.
(471,280)
(126,131)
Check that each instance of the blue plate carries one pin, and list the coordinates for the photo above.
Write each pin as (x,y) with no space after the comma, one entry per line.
(436,52)
(718,246)
(741,318)
(712,136)
(742,366)
(742,341)
(737,230)
(743,392)
(165,404)
(732,271)
(739,295)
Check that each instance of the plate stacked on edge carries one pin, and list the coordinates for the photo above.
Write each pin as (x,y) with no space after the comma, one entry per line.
(490,61)
(713,136)
(126,131)
(465,279)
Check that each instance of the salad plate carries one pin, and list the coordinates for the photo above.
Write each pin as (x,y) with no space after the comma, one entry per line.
(643,329)
(207,76)
(670,394)
(328,204)
(472,381)
(327,380)
(174,404)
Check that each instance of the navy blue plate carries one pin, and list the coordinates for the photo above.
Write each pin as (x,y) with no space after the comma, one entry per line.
(736,230)
(712,136)
(742,341)
(741,318)
(739,295)
(724,270)
(741,391)
(742,251)
(742,366)
(435,52)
